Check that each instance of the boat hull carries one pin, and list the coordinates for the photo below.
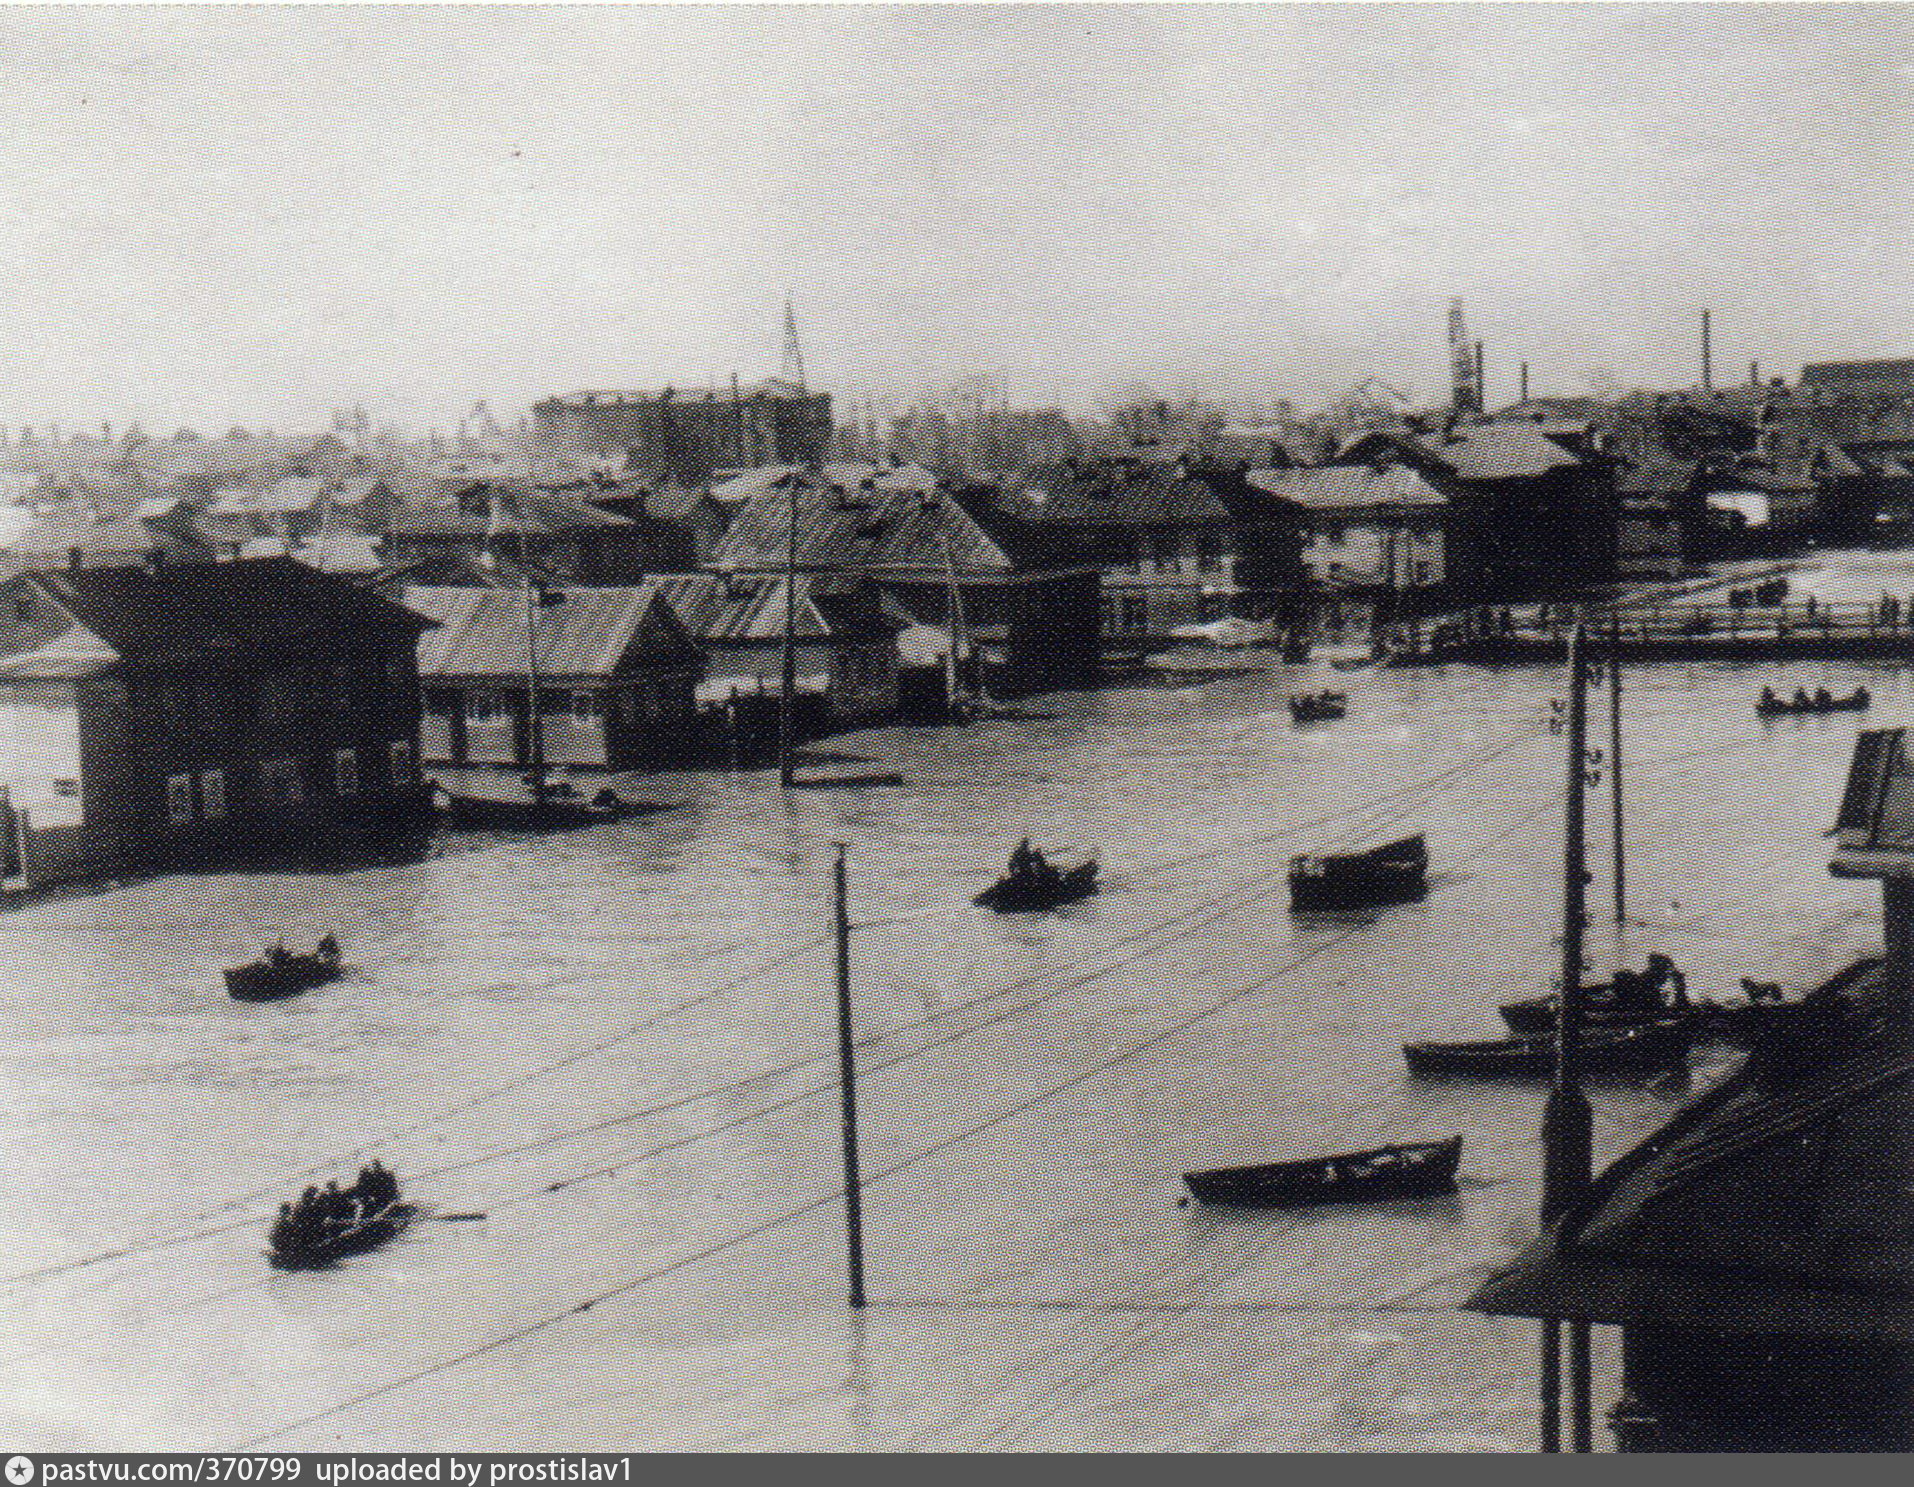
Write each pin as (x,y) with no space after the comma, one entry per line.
(1631,1051)
(393,1221)
(1015,895)
(264,982)
(1416,1171)
(1395,874)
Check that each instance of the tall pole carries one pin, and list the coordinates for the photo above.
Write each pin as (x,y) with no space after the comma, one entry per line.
(788,669)
(535,737)
(1566,1119)
(1707,356)
(853,1198)
(1615,758)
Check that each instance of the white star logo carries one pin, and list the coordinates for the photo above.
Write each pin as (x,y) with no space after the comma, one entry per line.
(19,1471)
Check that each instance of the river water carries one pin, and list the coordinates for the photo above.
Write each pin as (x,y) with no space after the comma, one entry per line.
(619,1046)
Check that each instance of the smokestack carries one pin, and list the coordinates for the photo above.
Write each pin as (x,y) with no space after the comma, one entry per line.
(1707,354)
(1754,374)
(1525,382)
(1481,382)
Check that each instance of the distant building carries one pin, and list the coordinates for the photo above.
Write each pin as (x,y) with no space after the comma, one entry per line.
(683,436)
(207,710)
(1866,378)
(615,668)
(555,532)
(1369,530)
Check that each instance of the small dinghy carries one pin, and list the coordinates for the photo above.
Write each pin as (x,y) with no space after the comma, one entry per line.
(1391,874)
(1318,707)
(1604,1051)
(280,973)
(1412,1171)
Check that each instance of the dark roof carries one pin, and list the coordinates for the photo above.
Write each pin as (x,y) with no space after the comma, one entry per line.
(184,609)
(858,517)
(1485,452)
(1348,487)
(750,608)
(1107,493)
(578,632)
(1778,1202)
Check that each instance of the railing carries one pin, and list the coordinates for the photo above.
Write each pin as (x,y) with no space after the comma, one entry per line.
(1685,623)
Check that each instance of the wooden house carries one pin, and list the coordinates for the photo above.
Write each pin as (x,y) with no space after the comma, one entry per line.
(197,711)
(614,670)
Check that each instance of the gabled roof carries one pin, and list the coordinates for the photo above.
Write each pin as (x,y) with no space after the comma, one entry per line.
(578,633)
(1487,452)
(1107,494)
(187,609)
(850,518)
(745,607)
(1348,487)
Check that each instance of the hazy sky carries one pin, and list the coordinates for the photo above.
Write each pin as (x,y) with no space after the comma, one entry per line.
(256,215)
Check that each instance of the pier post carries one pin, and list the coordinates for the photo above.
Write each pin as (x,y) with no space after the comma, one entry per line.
(853,1197)
(1615,757)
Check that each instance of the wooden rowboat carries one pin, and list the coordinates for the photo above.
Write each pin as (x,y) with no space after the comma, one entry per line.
(1318,707)
(1011,894)
(1605,1051)
(1391,874)
(1411,1171)
(279,974)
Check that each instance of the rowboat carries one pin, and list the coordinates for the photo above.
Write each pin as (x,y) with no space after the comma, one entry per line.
(281,974)
(506,813)
(333,1242)
(1536,1016)
(1411,1171)
(1318,707)
(1772,706)
(1391,874)
(1013,893)
(1604,1051)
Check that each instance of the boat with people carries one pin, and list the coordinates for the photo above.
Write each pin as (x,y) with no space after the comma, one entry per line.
(1821,701)
(1396,872)
(1033,882)
(1658,993)
(1614,1052)
(1413,1170)
(323,1227)
(1318,707)
(282,973)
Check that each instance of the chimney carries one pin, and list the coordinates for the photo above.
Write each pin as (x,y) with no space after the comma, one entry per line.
(1707,353)
(74,557)
(1525,382)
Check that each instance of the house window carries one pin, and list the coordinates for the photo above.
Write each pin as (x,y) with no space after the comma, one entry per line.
(1422,572)
(345,772)
(484,706)
(587,707)
(399,761)
(1135,615)
(212,794)
(179,799)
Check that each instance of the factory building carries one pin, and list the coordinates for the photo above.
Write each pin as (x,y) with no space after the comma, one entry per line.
(683,436)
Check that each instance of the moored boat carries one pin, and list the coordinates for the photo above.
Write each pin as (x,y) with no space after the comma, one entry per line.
(555,812)
(280,973)
(323,1228)
(1409,1171)
(1389,874)
(1604,1051)
(1536,1016)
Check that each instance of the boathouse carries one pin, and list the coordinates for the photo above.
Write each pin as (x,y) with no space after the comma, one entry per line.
(613,668)
(175,714)
(1757,1252)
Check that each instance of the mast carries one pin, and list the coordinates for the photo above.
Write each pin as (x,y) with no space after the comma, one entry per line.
(959,638)
(788,658)
(535,736)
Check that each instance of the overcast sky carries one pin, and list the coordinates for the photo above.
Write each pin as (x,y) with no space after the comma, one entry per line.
(253,216)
